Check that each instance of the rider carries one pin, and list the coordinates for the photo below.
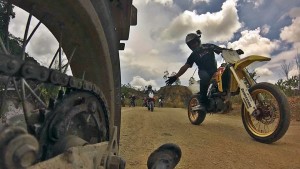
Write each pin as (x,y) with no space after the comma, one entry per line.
(204,57)
(160,101)
(132,100)
(150,93)
(123,100)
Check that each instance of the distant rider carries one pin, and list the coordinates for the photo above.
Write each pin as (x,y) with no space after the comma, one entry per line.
(204,57)
(132,100)
(123,100)
(160,101)
(150,94)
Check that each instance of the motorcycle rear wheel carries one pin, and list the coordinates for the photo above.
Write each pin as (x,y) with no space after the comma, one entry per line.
(195,117)
(273,121)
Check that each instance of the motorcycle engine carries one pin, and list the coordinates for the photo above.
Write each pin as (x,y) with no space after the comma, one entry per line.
(216,104)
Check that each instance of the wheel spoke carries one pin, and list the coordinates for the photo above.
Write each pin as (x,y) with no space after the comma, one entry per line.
(60,49)
(70,59)
(3,46)
(25,36)
(33,31)
(54,57)
(34,94)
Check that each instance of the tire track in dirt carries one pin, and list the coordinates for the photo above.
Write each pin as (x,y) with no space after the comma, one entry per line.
(219,142)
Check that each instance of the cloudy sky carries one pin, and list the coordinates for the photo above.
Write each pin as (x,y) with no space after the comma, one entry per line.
(263,27)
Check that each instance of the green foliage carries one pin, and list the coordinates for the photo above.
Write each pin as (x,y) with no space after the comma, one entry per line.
(48,91)
(288,86)
(126,89)
(6,13)
(15,46)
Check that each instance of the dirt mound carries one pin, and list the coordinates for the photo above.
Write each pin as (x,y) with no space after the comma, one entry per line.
(294,103)
(175,96)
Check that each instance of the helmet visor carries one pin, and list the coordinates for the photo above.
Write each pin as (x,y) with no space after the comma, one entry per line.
(193,44)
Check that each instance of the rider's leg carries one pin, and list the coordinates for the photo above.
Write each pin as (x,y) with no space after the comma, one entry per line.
(204,82)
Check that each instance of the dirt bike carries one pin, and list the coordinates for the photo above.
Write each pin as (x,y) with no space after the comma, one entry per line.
(123,102)
(150,101)
(265,110)
(132,103)
(160,103)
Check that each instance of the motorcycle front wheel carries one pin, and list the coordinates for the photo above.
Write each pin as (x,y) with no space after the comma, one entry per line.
(151,106)
(274,113)
(195,117)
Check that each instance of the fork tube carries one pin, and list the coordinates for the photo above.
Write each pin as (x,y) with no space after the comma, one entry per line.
(249,79)
(245,95)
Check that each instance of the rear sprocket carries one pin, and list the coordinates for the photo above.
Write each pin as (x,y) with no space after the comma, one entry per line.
(79,114)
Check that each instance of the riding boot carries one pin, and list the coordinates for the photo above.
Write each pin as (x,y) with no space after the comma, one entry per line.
(202,102)
(204,82)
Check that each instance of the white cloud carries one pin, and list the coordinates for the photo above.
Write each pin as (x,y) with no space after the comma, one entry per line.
(291,33)
(219,26)
(294,12)
(263,72)
(164,2)
(197,1)
(251,42)
(275,65)
(154,52)
(256,3)
(139,82)
(127,55)
(42,45)
(265,29)
(294,71)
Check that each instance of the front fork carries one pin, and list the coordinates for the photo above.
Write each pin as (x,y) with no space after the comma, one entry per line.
(245,95)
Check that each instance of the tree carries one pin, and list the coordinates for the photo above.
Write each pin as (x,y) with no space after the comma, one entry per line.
(177,82)
(253,75)
(288,86)
(298,68)
(166,75)
(286,67)
(6,13)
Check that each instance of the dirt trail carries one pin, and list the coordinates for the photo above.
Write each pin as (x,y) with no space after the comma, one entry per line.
(220,142)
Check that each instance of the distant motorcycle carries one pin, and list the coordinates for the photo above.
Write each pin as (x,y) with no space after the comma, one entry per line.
(265,110)
(132,101)
(160,103)
(123,102)
(150,101)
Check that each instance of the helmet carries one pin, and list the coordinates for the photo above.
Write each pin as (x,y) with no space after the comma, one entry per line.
(191,39)
(191,36)
(149,87)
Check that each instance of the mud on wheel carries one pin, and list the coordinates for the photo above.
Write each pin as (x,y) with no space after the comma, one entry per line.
(195,117)
(274,118)
(88,34)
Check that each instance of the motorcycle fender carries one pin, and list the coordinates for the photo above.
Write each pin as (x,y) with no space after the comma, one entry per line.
(242,63)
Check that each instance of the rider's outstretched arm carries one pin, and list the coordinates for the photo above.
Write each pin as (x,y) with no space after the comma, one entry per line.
(182,70)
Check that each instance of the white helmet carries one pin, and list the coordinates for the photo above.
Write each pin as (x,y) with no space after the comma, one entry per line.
(191,38)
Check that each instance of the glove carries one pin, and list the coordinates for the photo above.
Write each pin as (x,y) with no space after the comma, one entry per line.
(171,80)
(239,51)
